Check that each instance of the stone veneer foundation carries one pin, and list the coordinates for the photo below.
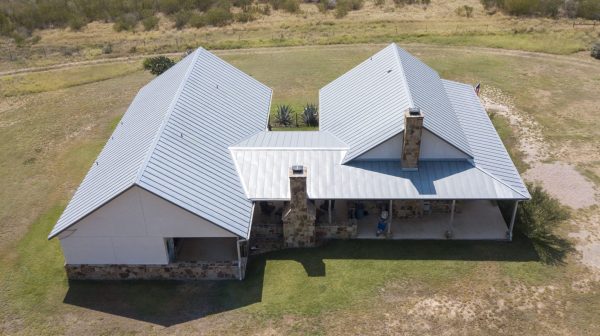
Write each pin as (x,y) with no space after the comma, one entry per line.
(209,270)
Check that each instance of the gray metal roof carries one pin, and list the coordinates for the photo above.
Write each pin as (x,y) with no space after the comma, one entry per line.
(489,153)
(173,141)
(365,106)
(292,139)
(264,173)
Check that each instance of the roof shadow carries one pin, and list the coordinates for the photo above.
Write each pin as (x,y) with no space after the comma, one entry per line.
(168,303)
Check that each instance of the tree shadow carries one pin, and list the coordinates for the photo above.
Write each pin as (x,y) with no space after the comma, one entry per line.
(168,303)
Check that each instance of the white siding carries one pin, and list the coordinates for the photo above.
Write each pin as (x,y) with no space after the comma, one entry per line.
(432,147)
(131,230)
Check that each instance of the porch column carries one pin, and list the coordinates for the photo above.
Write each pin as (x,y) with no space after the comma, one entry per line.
(512,220)
(329,211)
(389,229)
(452,216)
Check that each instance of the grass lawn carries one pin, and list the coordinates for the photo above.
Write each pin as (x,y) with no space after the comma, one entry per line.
(50,138)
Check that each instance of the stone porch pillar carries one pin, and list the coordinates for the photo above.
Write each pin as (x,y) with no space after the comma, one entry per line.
(299,218)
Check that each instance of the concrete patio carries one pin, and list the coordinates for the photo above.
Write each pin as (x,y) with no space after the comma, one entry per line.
(476,220)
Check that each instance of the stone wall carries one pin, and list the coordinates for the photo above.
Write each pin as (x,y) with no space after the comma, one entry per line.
(209,270)
(266,238)
(411,143)
(324,232)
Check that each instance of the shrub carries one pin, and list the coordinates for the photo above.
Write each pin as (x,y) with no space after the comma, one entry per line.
(310,115)
(283,115)
(379,3)
(537,219)
(596,50)
(126,22)
(197,20)
(341,10)
(150,22)
(325,5)
(157,65)
(342,7)
(244,17)
(589,9)
(217,16)
(466,11)
(181,18)
(107,49)
(76,22)
(291,6)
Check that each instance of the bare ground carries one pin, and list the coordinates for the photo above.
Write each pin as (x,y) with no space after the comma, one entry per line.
(559,179)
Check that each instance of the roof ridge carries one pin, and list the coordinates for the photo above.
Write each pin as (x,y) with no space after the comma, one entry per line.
(499,180)
(399,60)
(167,117)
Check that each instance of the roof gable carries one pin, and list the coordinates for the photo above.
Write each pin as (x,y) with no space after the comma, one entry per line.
(173,141)
(365,106)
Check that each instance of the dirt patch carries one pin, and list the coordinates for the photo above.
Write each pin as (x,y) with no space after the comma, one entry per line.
(565,183)
(588,242)
(561,180)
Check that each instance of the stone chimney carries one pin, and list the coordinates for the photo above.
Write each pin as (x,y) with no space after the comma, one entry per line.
(411,144)
(299,218)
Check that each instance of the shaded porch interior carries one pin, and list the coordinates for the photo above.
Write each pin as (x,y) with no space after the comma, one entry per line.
(202,249)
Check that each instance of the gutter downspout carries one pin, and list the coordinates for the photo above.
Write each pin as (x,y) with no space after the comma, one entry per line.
(239,253)
(512,221)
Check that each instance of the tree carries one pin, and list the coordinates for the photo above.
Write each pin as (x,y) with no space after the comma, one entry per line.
(157,65)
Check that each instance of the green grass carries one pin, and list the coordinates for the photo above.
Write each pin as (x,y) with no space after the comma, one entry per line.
(35,82)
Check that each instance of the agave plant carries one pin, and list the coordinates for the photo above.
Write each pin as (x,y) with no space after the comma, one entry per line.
(284,115)
(311,116)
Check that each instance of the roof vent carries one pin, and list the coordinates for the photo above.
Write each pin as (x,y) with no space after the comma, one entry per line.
(297,169)
(414,111)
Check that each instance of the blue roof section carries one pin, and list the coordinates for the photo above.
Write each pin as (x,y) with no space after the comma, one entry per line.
(489,153)
(173,141)
(365,106)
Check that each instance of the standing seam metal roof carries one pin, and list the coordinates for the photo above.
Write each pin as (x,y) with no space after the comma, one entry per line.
(490,155)
(173,141)
(365,106)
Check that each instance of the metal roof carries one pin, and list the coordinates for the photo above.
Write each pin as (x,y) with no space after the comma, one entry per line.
(489,153)
(292,139)
(365,106)
(173,141)
(264,173)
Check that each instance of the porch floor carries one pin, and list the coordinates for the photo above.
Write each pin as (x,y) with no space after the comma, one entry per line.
(477,220)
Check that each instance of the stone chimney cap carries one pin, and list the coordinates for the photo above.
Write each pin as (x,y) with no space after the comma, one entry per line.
(297,169)
(414,112)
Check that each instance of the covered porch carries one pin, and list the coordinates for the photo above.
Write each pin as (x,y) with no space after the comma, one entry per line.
(418,219)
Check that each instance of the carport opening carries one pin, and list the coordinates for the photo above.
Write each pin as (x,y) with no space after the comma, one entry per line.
(201,249)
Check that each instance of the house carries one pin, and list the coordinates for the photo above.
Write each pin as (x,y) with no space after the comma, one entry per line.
(192,181)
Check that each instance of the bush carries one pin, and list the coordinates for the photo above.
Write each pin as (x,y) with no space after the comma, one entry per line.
(244,17)
(379,3)
(197,21)
(157,65)
(181,18)
(126,22)
(291,6)
(537,220)
(76,23)
(107,49)
(596,50)
(341,10)
(310,115)
(589,9)
(283,115)
(325,5)
(342,7)
(150,22)
(466,11)
(218,17)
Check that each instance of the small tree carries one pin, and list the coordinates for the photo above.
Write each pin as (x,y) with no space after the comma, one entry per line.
(310,115)
(283,115)
(596,50)
(157,65)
